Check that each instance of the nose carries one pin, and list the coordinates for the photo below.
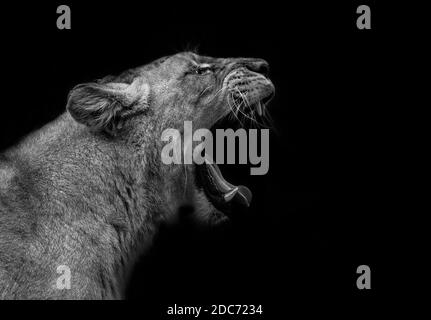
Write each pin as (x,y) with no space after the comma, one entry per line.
(257,65)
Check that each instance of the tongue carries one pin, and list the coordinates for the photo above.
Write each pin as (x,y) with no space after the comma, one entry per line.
(240,194)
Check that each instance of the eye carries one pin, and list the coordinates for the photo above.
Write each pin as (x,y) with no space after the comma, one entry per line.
(204,69)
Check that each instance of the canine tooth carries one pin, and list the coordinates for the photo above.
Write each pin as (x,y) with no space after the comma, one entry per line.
(259,108)
(229,196)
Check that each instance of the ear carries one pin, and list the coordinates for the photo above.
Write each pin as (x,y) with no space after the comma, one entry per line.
(106,106)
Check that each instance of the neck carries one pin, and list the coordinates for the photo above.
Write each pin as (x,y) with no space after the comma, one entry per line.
(107,198)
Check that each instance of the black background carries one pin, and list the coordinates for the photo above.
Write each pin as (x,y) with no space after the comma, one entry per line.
(319,213)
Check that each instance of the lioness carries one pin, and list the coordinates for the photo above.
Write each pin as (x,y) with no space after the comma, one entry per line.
(88,190)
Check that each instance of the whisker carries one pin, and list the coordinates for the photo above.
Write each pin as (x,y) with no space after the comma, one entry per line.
(245,115)
(210,86)
(236,116)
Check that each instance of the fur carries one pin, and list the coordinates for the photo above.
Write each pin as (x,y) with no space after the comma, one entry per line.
(89,189)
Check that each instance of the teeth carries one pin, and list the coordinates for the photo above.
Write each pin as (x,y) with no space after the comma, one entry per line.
(259,108)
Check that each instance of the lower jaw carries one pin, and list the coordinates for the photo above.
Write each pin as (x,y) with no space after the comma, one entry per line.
(222,195)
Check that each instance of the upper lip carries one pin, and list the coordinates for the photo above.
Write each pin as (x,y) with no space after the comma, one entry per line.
(218,190)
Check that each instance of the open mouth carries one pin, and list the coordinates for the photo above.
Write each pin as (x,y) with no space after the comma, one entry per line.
(222,194)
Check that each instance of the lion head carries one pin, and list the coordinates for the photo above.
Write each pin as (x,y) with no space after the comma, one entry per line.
(136,106)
